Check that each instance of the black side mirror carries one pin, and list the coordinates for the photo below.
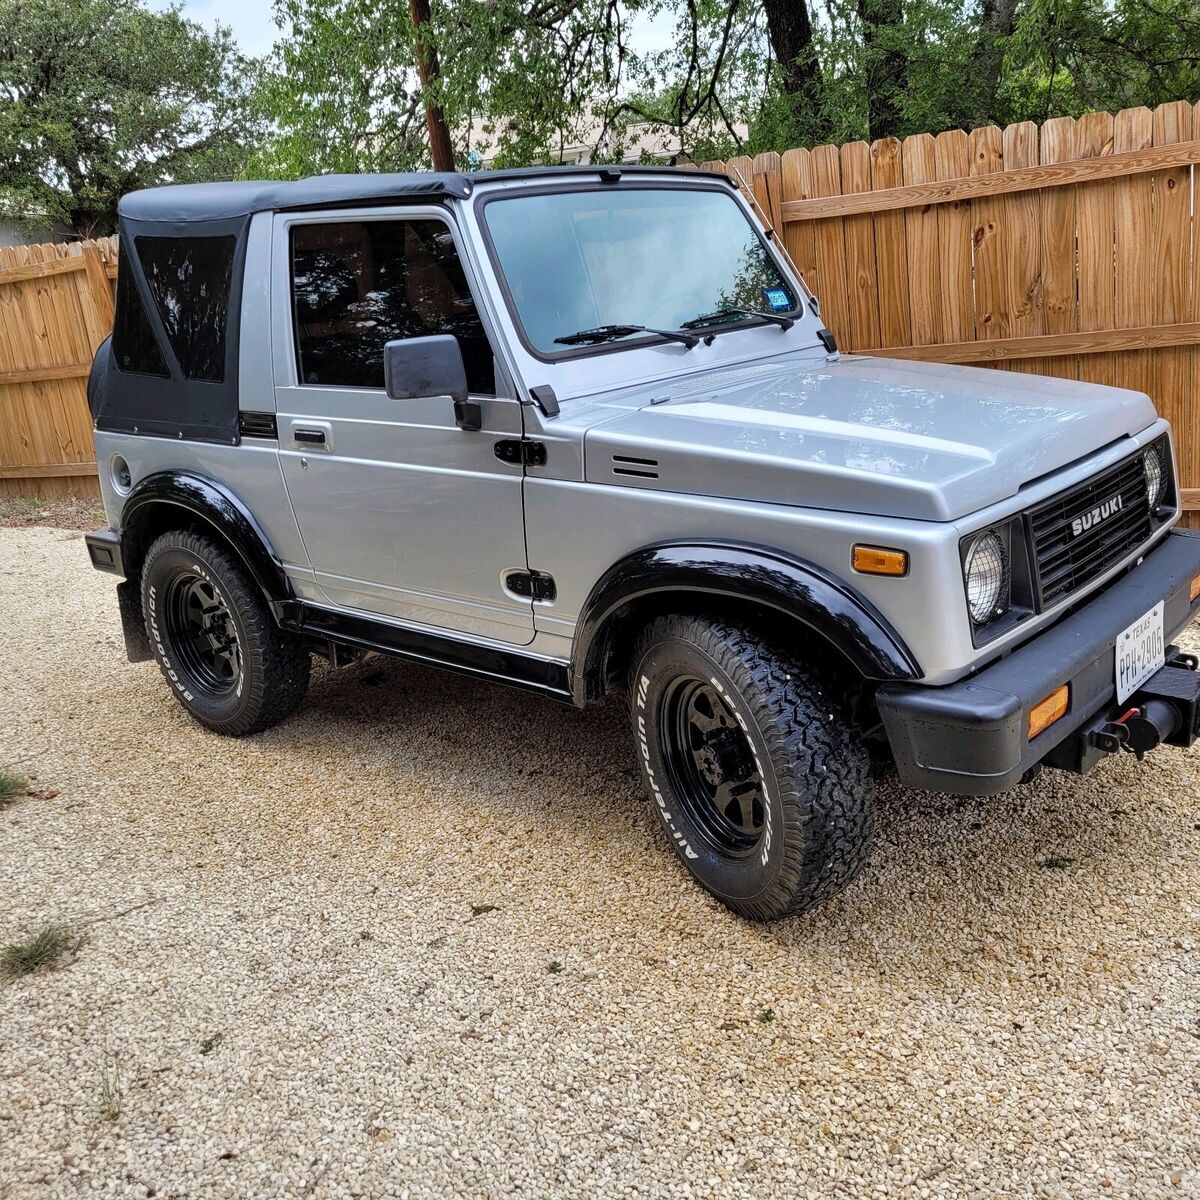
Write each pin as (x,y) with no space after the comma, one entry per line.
(430,366)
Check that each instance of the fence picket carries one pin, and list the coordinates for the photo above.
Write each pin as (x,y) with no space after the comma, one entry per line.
(1058,240)
(991,296)
(952,161)
(1169,370)
(831,243)
(924,259)
(1133,202)
(800,239)
(891,248)
(1021,239)
(861,268)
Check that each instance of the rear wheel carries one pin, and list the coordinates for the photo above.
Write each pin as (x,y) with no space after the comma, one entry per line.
(215,641)
(760,781)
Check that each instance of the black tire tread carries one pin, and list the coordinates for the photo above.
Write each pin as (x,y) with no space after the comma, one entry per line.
(278,664)
(821,764)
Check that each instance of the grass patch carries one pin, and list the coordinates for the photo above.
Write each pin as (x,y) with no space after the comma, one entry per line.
(44,949)
(555,968)
(112,1090)
(211,1042)
(766,1016)
(11,785)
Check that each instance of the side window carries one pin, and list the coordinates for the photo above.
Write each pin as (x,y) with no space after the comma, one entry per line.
(133,342)
(357,285)
(189,278)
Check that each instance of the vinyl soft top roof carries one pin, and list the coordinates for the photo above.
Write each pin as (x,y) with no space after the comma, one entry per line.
(225,201)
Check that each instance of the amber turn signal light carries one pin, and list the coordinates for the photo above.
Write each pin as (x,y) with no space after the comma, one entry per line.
(1045,712)
(877,560)
(1195,587)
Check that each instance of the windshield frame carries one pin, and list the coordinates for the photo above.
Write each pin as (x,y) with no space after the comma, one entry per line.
(725,187)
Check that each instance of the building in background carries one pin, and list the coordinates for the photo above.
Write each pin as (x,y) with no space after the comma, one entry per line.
(640,142)
(21,227)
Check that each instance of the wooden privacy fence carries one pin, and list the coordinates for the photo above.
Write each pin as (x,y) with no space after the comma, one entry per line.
(1069,249)
(56,306)
(1072,249)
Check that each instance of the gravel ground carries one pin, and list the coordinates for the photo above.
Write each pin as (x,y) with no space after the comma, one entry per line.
(426,940)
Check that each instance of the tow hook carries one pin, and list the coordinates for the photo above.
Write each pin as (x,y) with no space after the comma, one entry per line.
(1166,711)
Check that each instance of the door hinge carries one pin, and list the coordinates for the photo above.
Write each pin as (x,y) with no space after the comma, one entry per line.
(534,584)
(529,454)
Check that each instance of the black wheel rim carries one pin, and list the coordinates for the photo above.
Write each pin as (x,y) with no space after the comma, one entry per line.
(203,634)
(711,767)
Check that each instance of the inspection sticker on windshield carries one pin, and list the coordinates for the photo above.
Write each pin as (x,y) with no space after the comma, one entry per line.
(777,299)
(1141,650)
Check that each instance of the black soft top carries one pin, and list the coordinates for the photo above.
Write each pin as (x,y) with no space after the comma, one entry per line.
(224,201)
(147,381)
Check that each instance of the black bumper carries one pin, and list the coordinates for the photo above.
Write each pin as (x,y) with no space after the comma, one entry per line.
(970,737)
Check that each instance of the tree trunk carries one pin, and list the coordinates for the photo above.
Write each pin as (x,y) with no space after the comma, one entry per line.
(790,28)
(886,66)
(440,149)
(998,20)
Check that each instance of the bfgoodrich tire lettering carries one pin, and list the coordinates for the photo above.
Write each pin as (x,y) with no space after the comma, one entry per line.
(761,784)
(214,639)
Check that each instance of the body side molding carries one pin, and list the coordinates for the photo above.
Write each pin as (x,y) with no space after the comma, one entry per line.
(794,588)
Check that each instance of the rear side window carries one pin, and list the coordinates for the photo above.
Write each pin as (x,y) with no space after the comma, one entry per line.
(133,342)
(189,278)
(360,284)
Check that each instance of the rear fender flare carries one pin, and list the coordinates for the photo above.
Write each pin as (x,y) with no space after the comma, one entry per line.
(797,589)
(214,505)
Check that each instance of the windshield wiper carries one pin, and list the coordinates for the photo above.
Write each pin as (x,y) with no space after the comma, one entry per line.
(715,318)
(610,333)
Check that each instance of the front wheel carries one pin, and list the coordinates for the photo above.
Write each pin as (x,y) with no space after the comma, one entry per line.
(759,780)
(215,641)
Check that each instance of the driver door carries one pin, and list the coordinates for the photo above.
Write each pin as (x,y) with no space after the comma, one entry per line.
(403,514)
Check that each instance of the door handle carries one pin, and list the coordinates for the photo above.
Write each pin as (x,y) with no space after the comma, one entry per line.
(309,431)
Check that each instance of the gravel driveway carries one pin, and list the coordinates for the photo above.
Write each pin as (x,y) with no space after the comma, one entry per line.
(425,939)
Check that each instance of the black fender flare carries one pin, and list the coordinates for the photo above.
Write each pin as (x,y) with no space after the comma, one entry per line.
(797,589)
(217,506)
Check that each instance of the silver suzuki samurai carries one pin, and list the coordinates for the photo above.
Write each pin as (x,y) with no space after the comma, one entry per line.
(582,431)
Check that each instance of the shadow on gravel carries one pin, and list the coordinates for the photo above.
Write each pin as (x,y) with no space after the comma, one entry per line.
(1042,850)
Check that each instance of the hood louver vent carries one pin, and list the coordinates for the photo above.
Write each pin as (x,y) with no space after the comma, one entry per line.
(644,468)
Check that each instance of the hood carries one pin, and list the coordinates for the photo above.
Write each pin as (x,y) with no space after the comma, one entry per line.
(869,435)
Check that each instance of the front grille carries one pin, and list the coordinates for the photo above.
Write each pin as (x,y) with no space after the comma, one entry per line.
(1066,560)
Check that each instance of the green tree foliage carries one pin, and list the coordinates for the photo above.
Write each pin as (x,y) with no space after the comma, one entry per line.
(99,97)
(517,76)
(521,78)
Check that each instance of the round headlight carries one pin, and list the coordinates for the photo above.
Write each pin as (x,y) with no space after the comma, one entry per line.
(986,573)
(1152,465)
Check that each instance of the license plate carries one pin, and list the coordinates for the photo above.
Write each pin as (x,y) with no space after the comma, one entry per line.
(1141,650)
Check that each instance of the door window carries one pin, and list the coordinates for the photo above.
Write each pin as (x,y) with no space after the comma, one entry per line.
(357,285)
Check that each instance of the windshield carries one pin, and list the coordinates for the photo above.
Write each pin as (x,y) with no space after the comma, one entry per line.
(624,257)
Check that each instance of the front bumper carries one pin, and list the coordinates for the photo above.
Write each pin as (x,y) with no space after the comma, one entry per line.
(970,737)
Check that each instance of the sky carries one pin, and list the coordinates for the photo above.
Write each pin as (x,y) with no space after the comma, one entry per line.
(254,27)
(251,20)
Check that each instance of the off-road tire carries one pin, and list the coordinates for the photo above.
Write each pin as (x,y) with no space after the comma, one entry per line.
(811,767)
(271,674)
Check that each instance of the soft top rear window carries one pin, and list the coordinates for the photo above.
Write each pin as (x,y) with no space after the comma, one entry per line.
(189,278)
(133,342)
